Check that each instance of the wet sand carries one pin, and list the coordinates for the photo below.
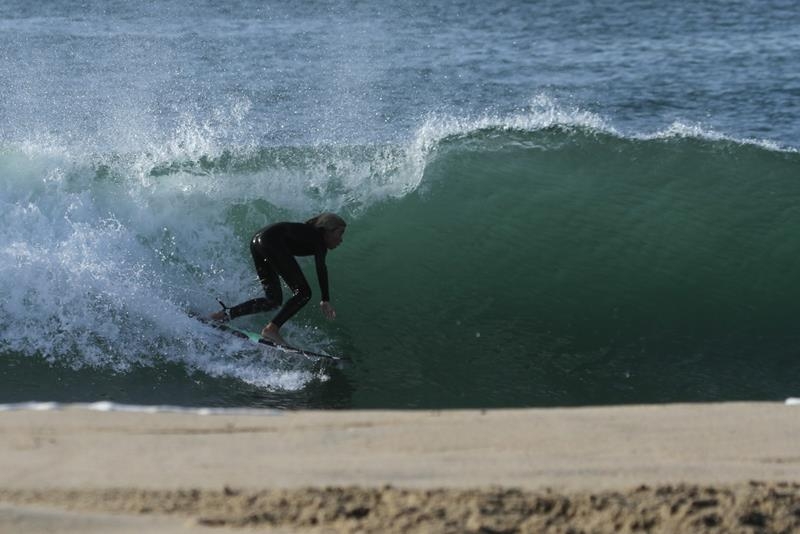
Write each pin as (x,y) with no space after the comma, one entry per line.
(671,468)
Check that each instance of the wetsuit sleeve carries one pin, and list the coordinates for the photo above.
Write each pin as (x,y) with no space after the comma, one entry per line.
(322,275)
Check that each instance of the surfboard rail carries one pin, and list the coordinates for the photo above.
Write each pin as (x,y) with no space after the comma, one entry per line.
(256,338)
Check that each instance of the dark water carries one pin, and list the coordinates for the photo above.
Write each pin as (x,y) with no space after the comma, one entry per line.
(548,204)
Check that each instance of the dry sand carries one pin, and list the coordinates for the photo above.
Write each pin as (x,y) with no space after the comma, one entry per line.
(674,468)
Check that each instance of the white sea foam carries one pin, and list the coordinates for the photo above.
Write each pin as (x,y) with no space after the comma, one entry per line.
(545,111)
(98,267)
(106,406)
(700,131)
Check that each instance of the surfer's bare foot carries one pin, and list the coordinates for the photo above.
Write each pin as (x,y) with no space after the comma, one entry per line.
(272,333)
(220,316)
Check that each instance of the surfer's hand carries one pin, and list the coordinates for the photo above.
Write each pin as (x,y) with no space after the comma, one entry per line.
(328,309)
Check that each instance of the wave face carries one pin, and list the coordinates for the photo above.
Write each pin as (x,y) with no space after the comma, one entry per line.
(495,263)
(565,266)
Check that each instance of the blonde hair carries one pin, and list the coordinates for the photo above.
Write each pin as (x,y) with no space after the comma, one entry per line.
(327,221)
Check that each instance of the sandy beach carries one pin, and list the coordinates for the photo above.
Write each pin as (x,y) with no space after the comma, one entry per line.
(731,467)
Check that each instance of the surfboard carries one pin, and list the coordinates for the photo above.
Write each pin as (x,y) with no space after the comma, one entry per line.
(256,338)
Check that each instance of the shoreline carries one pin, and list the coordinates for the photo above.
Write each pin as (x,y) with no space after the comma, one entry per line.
(405,471)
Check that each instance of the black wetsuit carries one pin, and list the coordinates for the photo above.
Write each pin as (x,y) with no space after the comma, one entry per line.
(274,248)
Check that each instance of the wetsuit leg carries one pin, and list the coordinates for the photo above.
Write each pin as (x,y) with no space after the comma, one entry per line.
(290,271)
(269,281)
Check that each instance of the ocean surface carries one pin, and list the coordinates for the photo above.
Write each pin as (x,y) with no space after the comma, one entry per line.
(549,203)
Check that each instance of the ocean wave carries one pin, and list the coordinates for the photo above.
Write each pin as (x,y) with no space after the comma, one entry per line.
(547,239)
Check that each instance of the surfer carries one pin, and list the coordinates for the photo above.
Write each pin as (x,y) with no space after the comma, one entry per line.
(274,248)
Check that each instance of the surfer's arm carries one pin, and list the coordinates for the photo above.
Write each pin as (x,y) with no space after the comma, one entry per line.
(322,276)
